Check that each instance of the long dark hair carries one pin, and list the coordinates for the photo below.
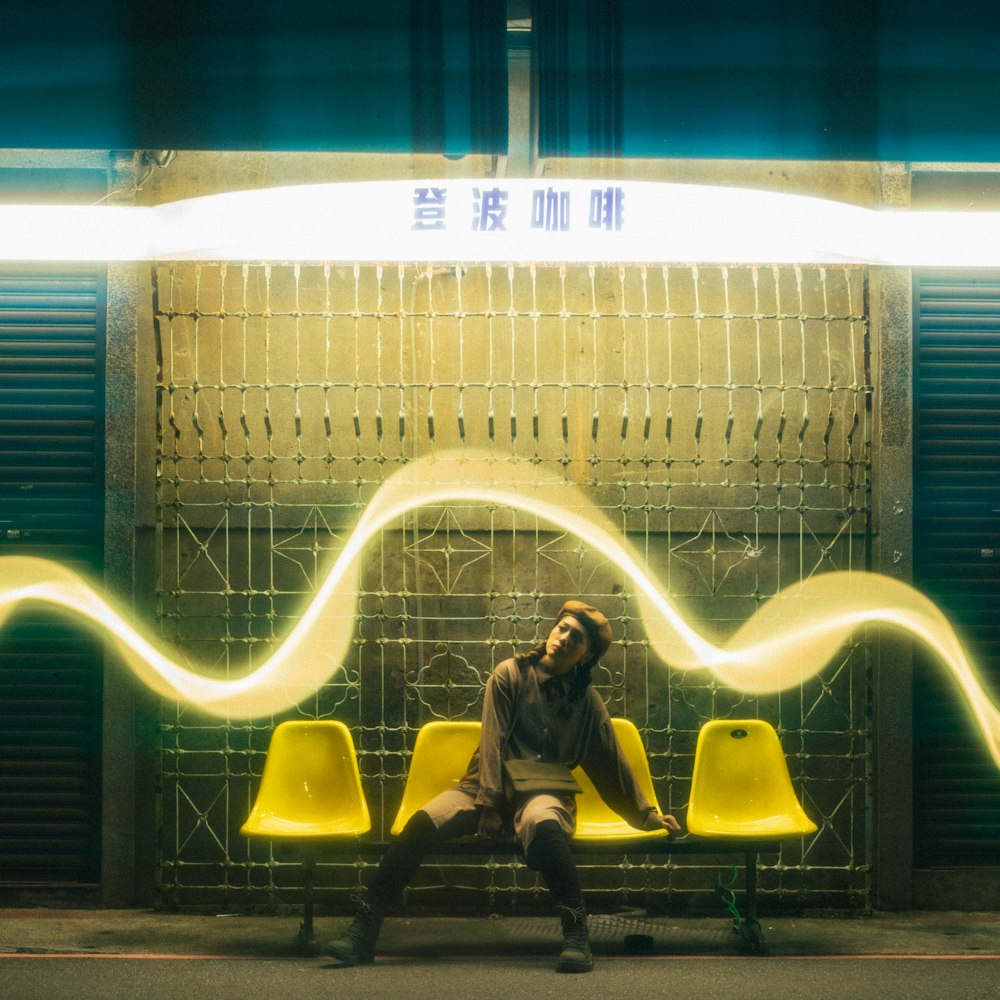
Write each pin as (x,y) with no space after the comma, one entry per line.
(581,672)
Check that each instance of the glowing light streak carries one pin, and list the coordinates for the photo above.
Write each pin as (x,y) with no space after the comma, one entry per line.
(787,641)
(375,221)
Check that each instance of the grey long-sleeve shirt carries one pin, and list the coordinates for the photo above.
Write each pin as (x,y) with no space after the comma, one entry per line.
(529,716)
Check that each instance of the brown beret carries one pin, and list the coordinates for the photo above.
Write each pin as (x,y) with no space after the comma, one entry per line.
(597,627)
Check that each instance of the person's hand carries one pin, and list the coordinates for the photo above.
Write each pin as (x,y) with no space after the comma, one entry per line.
(661,821)
(490,824)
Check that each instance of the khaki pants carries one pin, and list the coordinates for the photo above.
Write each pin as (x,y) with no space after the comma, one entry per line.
(454,814)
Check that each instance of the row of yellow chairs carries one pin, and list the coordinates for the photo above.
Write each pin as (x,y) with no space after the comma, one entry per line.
(310,790)
(311,787)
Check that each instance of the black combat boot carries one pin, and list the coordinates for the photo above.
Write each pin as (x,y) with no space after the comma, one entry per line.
(575,955)
(549,855)
(356,946)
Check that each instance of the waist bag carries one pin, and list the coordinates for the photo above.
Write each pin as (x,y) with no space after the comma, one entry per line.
(532,776)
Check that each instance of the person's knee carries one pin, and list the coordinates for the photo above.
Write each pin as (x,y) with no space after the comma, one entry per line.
(547,840)
(419,829)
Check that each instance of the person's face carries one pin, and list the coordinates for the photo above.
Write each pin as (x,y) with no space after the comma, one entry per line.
(566,647)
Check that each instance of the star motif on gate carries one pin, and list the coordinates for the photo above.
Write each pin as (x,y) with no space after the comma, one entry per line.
(447,551)
(579,561)
(713,553)
(309,546)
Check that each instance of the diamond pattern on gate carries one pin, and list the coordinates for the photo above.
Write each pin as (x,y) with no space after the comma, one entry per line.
(829,695)
(192,564)
(202,822)
(833,554)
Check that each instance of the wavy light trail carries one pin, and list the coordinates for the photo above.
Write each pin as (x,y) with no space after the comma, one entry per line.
(788,640)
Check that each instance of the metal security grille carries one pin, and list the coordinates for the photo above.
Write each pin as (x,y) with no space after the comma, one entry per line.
(956,485)
(51,505)
(719,416)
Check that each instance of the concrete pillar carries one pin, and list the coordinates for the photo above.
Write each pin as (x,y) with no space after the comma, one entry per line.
(891,310)
(127,829)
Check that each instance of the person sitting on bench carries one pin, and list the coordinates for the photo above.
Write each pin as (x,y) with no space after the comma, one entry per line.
(540,707)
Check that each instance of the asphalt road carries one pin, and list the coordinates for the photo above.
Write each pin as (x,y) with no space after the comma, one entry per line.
(51,954)
(53,977)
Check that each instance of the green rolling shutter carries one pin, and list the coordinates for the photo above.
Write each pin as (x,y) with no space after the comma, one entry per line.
(956,480)
(52,325)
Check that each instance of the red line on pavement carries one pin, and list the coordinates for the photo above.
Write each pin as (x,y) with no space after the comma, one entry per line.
(800,958)
(144,956)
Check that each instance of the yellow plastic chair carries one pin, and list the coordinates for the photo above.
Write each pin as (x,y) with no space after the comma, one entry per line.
(310,792)
(740,788)
(596,822)
(441,756)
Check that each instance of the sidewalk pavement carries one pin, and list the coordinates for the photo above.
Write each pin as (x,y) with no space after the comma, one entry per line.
(139,933)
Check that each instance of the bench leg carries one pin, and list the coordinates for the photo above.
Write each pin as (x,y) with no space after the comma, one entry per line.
(750,929)
(305,941)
